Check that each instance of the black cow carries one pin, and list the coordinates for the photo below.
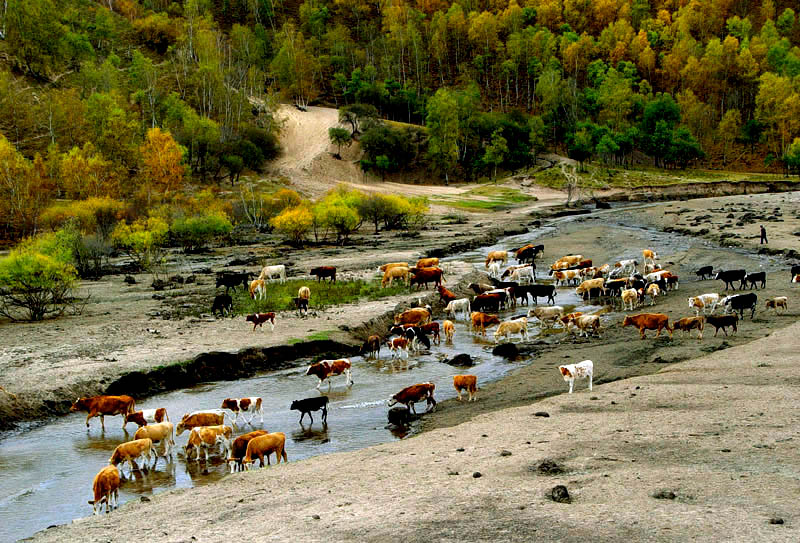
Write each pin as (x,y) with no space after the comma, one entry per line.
(529,254)
(232,280)
(615,287)
(301,304)
(311,404)
(399,416)
(758,277)
(501,284)
(537,291)
(222,303)
(795,271)
(705,270)
(722,321)
(740,302)
(730,276)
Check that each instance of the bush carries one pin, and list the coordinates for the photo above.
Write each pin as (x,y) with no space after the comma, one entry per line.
(193,233)
(294,223)
(92,216)
(142,240)
(37,277)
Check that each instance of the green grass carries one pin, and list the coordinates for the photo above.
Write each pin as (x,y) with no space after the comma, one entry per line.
(487,197)
(323,294)
(316,336)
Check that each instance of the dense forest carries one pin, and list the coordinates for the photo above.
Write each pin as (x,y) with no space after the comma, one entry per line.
(132,99)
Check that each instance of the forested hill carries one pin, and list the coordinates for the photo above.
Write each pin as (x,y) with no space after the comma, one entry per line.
(93,91)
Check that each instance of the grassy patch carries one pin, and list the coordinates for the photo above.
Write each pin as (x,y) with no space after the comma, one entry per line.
(486,198)
(324,294)
(316,336)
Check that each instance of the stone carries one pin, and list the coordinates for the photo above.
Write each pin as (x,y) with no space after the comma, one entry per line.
(776,520)
(506,350)
(664,494)
(505,453)
(548,466)
(541,414)
(476,475)
(560,494)
(462,359)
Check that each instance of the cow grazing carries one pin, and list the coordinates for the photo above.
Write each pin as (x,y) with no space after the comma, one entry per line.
(222,303)
(648,321)
(704,271)
(427,262)
(311,404)
(239,449)
(753,279)
(160,432)
(189,421)
(372,347)
(496,256)
(391,274)
(723,321)
(547,314)
(581,370)
(203,438)
(100,406)
(398,346)
(690,323)
(468,383)
(325,369)
(704,302)
(141,418)
(729,276)
(258,319)
(277,271)
(740,302)
(413,394)
(250,405)
(585,324)
(258,289)
(417,316)
(324,271)
(445,295)
(480,288)
(232,280)
(481,320)
(262,446)
(423,276)
(629,296)
(130,451)
(462,305)
(106,489)
(781,302)
(449,330)
(587,286)
(517,326)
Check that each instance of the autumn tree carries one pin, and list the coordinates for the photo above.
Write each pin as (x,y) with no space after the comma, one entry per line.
(162,163)
(443,131)
(728,131)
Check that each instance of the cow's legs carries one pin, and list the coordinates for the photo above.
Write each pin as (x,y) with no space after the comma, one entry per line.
(571,383)
(103,422)
(325,414)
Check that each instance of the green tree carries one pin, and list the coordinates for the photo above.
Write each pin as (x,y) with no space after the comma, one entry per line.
(792,156)
(195,232)
(496,152)
(358,116)
(143,240)
(728,130)
(443,131)
(339,137)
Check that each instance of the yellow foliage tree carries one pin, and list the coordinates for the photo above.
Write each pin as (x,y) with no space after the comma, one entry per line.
(162,163)
(294,223)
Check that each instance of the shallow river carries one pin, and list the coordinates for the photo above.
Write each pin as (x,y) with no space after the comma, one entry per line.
(47,471)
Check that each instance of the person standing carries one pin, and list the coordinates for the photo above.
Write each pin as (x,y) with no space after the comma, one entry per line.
(763,235)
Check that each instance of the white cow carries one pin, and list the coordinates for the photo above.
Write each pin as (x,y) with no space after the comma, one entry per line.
(581,370)
(494,269)
(269,272)
(461,305)
(526,273)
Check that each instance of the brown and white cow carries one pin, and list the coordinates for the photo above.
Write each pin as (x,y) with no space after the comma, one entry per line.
(648,321)
(566,261)
(130,451)
(258,319)
(205,437)
(468,383)
(160,432)
(211,417)
(239,449)
(516,326)
(778,302)
(106,489)
(585,324)
(325,369)
(262,446)
(100,406)
(398,346)
(581,370)
(141,418)
(250,405)
(258,289)
(690,323)
(415,393)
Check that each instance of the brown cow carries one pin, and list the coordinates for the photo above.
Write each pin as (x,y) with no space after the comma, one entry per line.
(141,418)
(427,275)
(372,347)
(398,272)
(325,369)
(690,323)
(262,446)
(391,265)
(258,319)
(106,489)
(324,271)
(130,451)
(449,330)
(239,449)
(415,393)
(446,295)
(200,418)
(158,432)
(427,262)
(203,438)
(482,320)
(468,383)
(500,256)
(416,316)
(100,406)
(432,328)
(648,321)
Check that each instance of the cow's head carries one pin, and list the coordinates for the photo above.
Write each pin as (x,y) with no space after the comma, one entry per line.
(565,371)
(79,405)
(627,321)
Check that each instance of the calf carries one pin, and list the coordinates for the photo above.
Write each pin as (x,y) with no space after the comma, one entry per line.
(239,449)
(740,302)
(723,321)
(141,418)
(585,324)
(324,271)
(222,303)
(468,383)
(778,302)
(158,433)
(205,437)
(372,347)
(250,405)
(705,270)
(481,320)
(753,278)
(729,276)
(325,369)
(445,295)
(581,370)
(690,323)
(415,393)
(517,326)
(262,446)
(449,330)
(398,346)
(106,489)
(648,321)
(200,418)
(311,404)
(130,451)
(100,406)
(258,319)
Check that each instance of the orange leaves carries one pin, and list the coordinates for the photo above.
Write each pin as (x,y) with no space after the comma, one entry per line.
(162,162)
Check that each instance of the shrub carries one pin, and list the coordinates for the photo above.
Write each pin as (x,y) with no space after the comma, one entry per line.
(193,233)
(142,240)
(92,216)
(294,223)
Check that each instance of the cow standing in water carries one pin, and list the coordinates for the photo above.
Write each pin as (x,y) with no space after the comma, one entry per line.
(325,369)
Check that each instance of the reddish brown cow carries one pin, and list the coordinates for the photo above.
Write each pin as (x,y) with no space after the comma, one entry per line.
(100,406)
(690,323)
(258,319)
(415,393)
(432,328)
(325,369)
(481,320)
(239,449)
(427,275)
(106,489)
(648,321)
(324,271)
(446,295)
(141,418)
